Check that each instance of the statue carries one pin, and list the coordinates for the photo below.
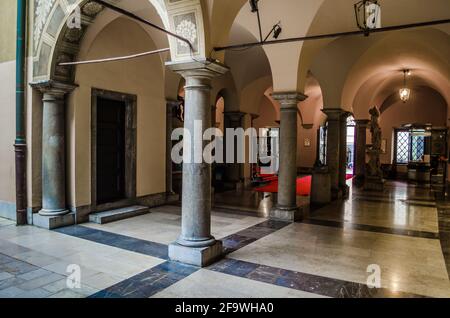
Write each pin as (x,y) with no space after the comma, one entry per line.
(374,174)
(375,128)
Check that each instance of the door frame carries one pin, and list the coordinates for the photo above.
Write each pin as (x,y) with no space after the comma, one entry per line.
(130,148)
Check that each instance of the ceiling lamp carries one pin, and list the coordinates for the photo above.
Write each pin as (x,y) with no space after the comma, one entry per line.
(368,15)
(405,92)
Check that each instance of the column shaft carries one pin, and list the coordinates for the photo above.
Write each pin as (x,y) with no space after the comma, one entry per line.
(234,170)
(360,156)
(334,148)
(288,158)
(169,128)
(53,156)
(196,197)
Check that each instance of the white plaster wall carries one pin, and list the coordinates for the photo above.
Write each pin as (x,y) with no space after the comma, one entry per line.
(142,77)
(7,124)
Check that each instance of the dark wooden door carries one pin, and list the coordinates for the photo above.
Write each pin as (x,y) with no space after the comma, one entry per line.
(110,150)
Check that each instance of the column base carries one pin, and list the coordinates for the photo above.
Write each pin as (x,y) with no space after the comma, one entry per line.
(45,212)
(172,197)
(291,214)
(53,222)
(196,256)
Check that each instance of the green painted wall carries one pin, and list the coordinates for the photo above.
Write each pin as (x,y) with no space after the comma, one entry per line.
(8,14)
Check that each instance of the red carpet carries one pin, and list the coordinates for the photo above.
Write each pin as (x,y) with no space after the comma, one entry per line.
(303,185)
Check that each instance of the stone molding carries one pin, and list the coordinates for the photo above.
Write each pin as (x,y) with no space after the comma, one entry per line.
(199,68)
(53,87)
(289,100)
(336,113)
(362,123)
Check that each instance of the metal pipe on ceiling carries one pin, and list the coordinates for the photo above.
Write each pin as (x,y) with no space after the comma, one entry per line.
(114,59)
(333,35)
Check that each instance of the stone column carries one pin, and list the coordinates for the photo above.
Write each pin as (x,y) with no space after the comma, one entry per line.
(53,148)
(343,155)
(360,153)
(196,245)
(234,170)
(171,106)
(333,148)
(286,208)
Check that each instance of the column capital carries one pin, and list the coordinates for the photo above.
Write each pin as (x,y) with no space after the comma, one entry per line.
(202,68)
(289,100)
(234,115)
(336,113)
(57,89)
(362,122)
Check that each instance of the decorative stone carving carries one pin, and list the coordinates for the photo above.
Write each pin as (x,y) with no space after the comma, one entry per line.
(188,30)
(186,26)
(91,9)
(374,174)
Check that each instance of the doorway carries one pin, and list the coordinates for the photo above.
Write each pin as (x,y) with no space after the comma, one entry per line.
(351,132)
(110,150)
(113,149)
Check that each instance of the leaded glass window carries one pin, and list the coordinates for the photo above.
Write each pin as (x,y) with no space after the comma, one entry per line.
(402,147)
(417,147)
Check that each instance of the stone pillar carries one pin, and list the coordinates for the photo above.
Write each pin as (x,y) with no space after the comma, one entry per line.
(234,170)
(286,208)
(171,105)
(333,148)
(343,155)
(196,245)
(360,152)
(53,148)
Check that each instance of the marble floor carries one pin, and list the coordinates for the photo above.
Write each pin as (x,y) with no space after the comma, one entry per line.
(404,232)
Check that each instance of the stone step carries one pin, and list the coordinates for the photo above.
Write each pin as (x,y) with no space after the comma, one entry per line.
(118,214)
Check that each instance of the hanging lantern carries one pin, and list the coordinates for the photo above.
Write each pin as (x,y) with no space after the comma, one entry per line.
(368,15)
(405,92)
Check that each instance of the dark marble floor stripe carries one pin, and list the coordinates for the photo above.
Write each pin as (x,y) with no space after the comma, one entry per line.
(245,237)
(319,285)
(371,228)
(121,241)
(444,231)
(148,283)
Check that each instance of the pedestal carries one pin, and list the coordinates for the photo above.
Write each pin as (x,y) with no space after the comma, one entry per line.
(196,256)
(321,186)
